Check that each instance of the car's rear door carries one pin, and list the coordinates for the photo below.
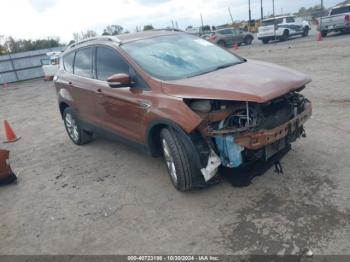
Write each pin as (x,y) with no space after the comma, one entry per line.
(238,36)
(121,110)
(81,88)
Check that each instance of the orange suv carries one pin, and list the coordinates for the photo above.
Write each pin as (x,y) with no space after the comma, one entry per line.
(178,95)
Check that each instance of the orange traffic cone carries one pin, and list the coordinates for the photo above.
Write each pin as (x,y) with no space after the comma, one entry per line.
(319,36)
(9,134)
(6,174)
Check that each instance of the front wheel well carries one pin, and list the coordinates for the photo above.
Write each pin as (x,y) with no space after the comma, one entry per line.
(154,139)
(63,106)
(195,145)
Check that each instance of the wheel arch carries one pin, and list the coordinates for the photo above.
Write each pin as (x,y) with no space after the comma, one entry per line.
(153,139)
(63,106)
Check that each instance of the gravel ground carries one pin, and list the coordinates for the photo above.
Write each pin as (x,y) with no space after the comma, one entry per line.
(107,198)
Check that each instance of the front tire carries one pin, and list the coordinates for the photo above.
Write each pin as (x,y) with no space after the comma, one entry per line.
(182,173)
(74,130)
(265,41)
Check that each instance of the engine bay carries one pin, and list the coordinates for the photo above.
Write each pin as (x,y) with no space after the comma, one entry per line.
(237,132)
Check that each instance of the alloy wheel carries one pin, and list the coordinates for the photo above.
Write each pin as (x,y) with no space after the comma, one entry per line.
(72,127)
(169,161)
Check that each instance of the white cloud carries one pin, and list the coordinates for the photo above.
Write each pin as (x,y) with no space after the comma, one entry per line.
(42,5)
(43,18)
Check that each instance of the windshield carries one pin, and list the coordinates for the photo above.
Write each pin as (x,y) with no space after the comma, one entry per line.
(179,56)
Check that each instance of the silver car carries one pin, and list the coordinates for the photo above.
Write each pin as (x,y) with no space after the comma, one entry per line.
(230,36)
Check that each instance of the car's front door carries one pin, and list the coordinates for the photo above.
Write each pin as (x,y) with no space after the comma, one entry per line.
(121,109)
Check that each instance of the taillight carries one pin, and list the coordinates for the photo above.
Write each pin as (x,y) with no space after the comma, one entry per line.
(213,36)
(347,18)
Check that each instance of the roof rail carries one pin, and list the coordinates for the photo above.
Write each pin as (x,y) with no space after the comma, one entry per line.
(101,38)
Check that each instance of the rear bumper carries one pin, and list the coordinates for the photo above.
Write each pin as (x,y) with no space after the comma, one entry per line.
(332,28)
(260,139)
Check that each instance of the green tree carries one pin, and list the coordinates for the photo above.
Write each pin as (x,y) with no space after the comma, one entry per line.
(84,35)
(148,27)
(113,30)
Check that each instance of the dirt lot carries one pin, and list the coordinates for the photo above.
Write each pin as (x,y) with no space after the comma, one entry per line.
(106,198)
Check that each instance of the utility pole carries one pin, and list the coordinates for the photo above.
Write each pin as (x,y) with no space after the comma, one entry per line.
(273,12)
(262,10)
(229,11)
(250,16)
(322,4)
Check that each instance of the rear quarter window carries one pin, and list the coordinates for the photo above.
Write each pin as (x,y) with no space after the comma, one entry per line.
(68,61)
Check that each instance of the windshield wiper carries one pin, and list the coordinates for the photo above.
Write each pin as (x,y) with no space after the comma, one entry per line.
(225,66)
(216,68)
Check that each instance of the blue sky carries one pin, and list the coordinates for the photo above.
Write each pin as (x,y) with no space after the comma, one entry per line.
(43,18)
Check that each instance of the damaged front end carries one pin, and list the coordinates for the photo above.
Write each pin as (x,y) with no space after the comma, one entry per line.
(239,133)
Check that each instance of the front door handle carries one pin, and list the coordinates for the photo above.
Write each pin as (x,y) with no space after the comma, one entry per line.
(144,104)
(99,90)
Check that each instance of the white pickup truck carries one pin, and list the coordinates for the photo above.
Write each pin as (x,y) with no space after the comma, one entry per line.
(338,20)
(281,28)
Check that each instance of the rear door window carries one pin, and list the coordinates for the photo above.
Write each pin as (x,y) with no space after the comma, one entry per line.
(235,31)
(68,61)
(83,62)
(272,22)
(290,20)
(108,63)
(225,32)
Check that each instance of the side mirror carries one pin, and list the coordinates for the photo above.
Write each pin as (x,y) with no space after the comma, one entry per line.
(119,80)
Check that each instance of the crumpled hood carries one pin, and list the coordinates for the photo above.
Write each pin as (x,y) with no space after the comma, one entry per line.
(253,81)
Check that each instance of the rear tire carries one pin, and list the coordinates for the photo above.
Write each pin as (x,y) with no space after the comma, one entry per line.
(248,40)
(285,35)
(324,33)
(181,171)
(74,130)
(222,43)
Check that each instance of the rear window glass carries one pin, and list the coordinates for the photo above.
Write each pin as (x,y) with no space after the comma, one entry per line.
(340,10)
(83,62)
(68,62)
(272,22)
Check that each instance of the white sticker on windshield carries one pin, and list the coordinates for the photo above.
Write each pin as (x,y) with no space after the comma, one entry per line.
(203,42)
